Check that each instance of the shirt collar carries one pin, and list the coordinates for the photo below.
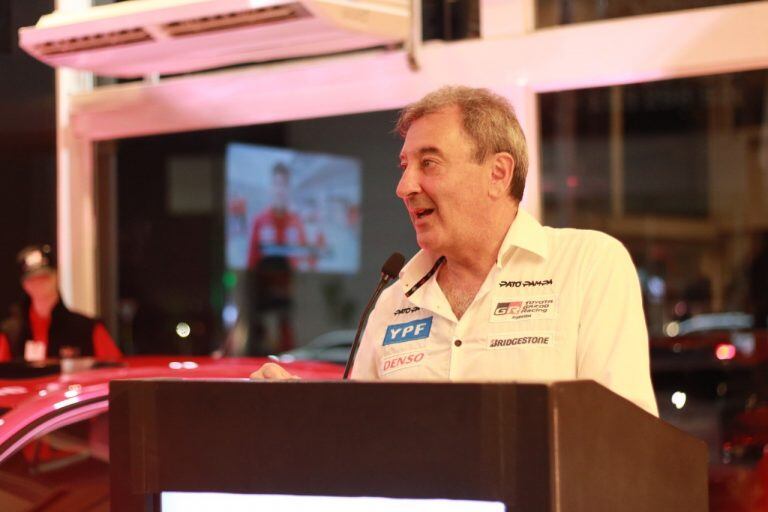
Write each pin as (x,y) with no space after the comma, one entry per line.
(418,267)
(525,232)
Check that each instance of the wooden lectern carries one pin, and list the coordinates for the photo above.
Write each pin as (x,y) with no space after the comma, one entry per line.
(561,447)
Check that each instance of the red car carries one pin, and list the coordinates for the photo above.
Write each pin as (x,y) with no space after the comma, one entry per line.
(54,429)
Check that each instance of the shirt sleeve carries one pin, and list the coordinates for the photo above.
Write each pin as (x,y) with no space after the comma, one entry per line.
(103,345)
(613,344)
(5,348)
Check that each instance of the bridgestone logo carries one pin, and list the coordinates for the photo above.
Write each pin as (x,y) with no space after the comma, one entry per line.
(525,340)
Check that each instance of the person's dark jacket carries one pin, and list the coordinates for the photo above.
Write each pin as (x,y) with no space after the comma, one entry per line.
(67,330)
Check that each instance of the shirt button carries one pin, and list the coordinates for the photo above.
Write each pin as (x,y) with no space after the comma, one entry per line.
(457,343)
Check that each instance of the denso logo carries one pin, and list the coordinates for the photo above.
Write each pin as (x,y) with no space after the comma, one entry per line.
(409,331)
(402,361)
(524,284)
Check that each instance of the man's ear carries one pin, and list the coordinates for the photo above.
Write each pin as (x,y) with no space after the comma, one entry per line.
(502,171)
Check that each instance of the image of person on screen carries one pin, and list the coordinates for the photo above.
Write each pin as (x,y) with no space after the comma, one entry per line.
(278,231)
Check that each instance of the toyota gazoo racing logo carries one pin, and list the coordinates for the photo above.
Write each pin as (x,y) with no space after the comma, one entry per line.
(512,309)
(508,308)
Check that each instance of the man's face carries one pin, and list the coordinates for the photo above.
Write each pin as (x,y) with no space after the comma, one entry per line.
(281,190)
(40,286)
(444,189)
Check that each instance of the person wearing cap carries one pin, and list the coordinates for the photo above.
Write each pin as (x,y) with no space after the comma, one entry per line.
(493,295)
(42,327)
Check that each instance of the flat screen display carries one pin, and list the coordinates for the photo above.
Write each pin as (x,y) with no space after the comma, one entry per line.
(199,502)
(292,205)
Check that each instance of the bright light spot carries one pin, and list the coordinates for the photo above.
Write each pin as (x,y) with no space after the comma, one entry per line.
(678,398)
(186,365)
(725,351)
(12,390)
(656,286)
(2,422)
(744,342)
(183,330)
(229,315)
(672,329)
(64,403)
(42,392)
(71,393)
(229,280)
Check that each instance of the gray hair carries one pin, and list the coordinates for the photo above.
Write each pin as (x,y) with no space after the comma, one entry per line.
(488,119)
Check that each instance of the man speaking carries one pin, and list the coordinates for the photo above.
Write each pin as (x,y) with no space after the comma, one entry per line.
(493,295)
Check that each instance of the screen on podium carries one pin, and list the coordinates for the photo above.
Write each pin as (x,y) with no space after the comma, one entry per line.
(199,502)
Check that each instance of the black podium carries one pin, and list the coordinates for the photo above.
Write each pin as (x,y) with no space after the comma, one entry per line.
(561,447)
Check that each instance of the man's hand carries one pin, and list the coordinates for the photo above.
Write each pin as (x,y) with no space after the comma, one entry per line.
(272,371)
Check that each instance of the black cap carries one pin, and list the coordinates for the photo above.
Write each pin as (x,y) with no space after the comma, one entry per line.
(34,260)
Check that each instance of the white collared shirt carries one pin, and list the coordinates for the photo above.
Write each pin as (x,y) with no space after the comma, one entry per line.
(560,304)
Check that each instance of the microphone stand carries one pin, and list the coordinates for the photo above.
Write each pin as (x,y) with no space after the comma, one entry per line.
(389,271)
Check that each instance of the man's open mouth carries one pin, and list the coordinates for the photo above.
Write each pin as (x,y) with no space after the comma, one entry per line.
(423,212)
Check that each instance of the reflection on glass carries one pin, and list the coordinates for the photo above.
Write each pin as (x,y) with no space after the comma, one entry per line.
(678,171)
(565,12)
(67,469)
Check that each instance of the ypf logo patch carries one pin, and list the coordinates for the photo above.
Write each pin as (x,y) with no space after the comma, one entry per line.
(408,331)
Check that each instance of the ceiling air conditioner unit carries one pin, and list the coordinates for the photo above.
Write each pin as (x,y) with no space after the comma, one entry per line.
(143,37)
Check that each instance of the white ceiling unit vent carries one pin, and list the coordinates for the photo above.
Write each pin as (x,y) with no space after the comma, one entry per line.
(145,37)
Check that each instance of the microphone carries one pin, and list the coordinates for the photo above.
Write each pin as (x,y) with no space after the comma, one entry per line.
(389,271)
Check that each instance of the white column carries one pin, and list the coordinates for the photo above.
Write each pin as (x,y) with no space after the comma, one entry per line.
(76,218)
(502,19)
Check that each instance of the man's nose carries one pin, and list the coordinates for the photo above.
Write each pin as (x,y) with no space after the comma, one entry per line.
(408,184)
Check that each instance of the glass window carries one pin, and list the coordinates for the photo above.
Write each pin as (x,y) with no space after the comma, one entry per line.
(565,12)
(678,171)
(67,469)
(258,239)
